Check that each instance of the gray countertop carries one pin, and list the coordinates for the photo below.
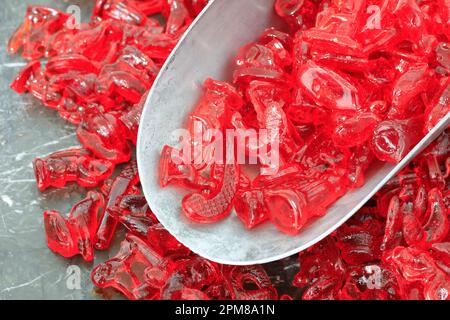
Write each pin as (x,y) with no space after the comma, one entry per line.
(28,269)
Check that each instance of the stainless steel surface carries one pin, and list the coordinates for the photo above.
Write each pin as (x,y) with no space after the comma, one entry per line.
(206,51)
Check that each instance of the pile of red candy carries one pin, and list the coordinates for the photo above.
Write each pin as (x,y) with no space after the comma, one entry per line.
(397,246)
(96,77)
(371,88)
(351,82)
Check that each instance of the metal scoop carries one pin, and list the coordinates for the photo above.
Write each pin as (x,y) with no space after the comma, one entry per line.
(207,50)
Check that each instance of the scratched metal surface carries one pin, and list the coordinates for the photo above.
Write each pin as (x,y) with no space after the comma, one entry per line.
(28,269)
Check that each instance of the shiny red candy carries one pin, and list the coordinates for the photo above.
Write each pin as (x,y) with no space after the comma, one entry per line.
(371,282)
(299,14)
(393,139)
(328,88)
(190,276)
(75,234)
(122,185)
(349,83)
(240,278)
(132,118)
(34,35)
(104,135)
(214,207)
(345,83)
(126,271)
(173,170)
(97,77)
(291,205)
(396,247)
(72,165)
(321,267)
(250,207)
(133,212)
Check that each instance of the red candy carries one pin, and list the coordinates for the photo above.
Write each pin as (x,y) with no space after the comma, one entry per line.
(211,208)
(395,248)
(76,165)
(34,35)
(321,261)
(122,185)
(299,14)
(250,207)
(345,86)
(178,16)
(26,76)
(126,272)
(190,276)
(75,234)
(371,282)
(104,136)
(164,242)
(327,88)
(242,276)
(174,171)
(291,205)
(132,118)
(134,214)
(393,230)
(439,107)
(393,139)
(352,82)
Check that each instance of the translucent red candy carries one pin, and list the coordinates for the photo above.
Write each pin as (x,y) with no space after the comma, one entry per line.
(358,245)
(189,276)
(291,205)
(214,207)
(299,14)
(371,282)
(396,247)
(351,82)
(250,207)
(34,35)
(174,171)
(240,278)
(164,242)
(327,88)
(132,12)
(393,139)
(72,165)
(321,266)
(75,234)
(126,272)
(104,136)
(434,228)
(439,106)
(132,118)
(122,185)
(178,16)
(133,213)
